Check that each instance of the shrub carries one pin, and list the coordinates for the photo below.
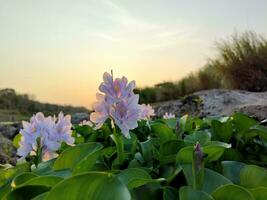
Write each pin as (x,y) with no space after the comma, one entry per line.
(241,63)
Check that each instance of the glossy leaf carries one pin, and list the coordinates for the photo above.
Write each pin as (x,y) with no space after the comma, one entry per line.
(170,193)
(27,192)
(22,178)
(163,132)
(231,170)
(187,193)
(91,185)
(202,137)
(252,176)
(212,179)
(230,192)
(135,177)
(222,130)
(73,155)
(259,193)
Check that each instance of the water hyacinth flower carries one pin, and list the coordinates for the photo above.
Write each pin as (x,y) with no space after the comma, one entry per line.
(147,112)
(44,134)
(86,123)
(116,90)
(126,114)
(199,155)
(198,167)
(118,102)
(168,116)
(102,111)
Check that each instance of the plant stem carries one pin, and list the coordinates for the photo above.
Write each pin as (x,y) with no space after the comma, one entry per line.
(118,142)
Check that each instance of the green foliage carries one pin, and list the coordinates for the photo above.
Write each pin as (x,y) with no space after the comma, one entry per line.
(158,162)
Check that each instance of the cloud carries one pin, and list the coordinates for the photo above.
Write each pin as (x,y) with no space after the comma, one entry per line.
(129,30)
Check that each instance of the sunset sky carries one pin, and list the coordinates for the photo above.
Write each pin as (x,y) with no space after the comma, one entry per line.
(57,50)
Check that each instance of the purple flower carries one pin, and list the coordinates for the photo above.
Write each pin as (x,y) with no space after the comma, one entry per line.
(50,132)
(126,114)
(147,112)
(101,108)
(118,102)
(117,89)
(63,129)
(199,155)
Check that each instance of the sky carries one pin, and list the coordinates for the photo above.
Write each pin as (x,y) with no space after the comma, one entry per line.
(57,50)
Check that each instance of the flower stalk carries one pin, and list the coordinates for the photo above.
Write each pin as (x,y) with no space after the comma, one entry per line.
(198,167)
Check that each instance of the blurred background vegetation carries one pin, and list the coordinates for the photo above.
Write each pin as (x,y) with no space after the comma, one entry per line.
(240,63)
(16,107)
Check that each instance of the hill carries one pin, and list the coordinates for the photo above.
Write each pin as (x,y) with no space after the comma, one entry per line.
(15,107)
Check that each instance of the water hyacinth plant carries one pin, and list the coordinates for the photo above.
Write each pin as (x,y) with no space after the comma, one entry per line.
(119,103)
(189,158)
(42,136)
(147,112)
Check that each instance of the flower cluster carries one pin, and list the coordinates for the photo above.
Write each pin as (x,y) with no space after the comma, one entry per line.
(147,111)
(45,134)
(168,116)
(119,103)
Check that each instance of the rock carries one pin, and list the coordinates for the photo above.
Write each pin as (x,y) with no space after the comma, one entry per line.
(217,102)
(191,105)
(7,151)
(10,129)
(78,117)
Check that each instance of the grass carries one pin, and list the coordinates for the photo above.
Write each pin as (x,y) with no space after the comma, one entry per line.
(240,63)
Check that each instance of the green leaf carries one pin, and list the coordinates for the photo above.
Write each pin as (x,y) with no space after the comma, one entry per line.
(22,178)
(7,174)
(232,154)
(91,185)
(41,196)
(259,193)
(163,132)
(39,184)
(87,163)
(170,193)
(243,123)
(172,123)
(212,179)
(48,181)
(16,140)
(5,190)
(252,176)
(185,155)
(27,192)
(130,145)
(183,123)
(222,130)
(231,170)
(228,192)
(214,151)
(73,155)
(187,193)
(118,140)
(147,149)
(203,137)
(84,130)
(135,177)
(259,130)
(168,151)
